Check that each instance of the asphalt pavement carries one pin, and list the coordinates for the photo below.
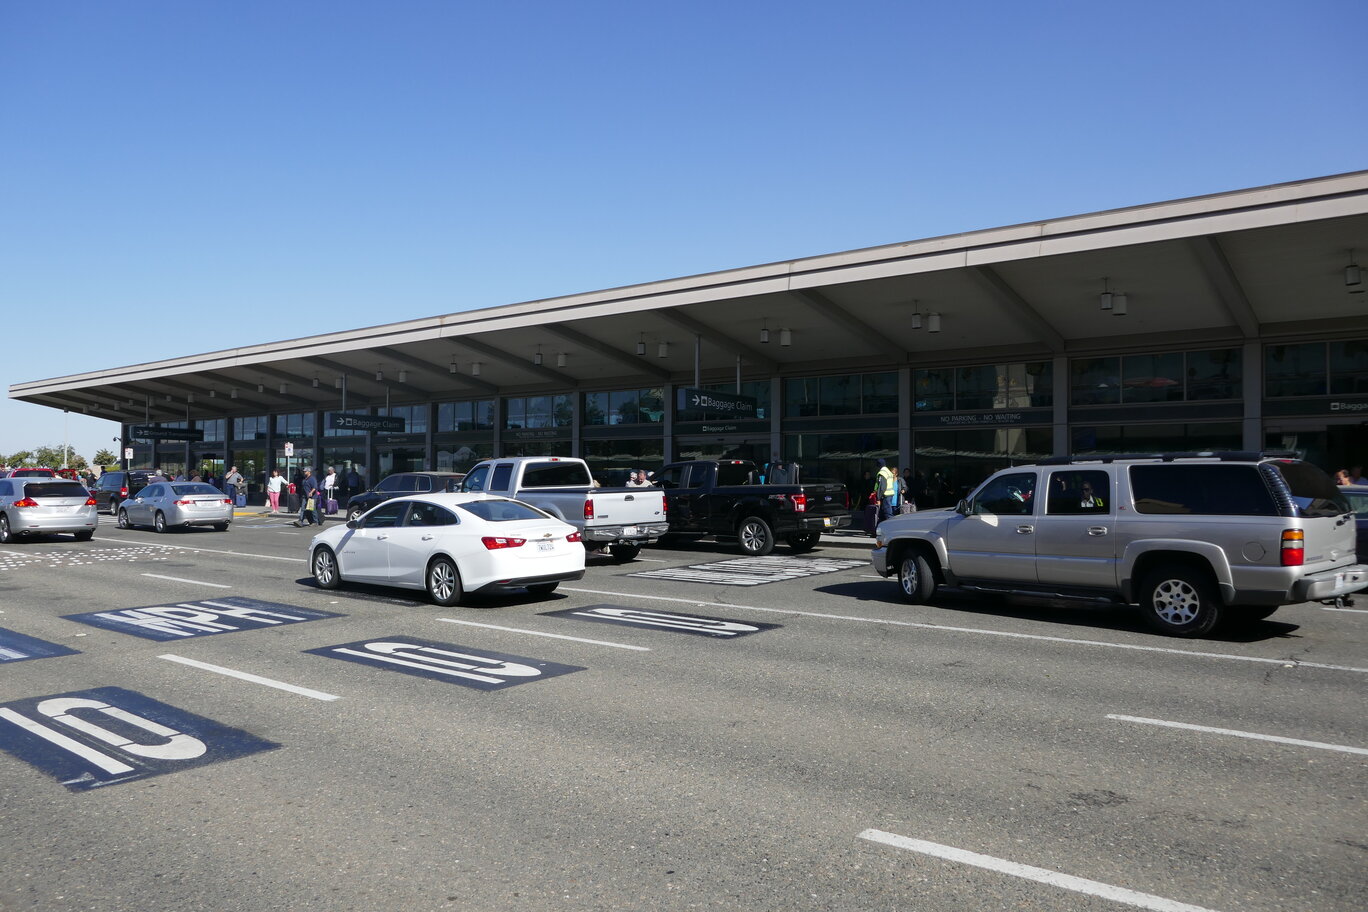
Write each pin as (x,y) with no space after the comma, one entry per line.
(689,730)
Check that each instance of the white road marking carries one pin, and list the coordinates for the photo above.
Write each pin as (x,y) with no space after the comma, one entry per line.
(104,762)
(1349,610)
(297,560)
(255,679)
(557,636)
(179,579)
(1298,742)
(1029,872)
(1001,633)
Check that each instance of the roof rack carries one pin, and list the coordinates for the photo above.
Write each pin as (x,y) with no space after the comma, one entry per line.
(1222,455)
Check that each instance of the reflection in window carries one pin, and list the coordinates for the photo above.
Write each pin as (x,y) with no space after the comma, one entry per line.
(1116,439)
(474,415)
(1294,370)
(1095,381)
(538,412)
(1214,374)
(933,390)
(1152,378)
(634,406)
(1349,367)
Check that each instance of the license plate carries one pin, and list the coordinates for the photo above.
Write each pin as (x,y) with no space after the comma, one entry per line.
(826,520)
(546,546)
(629,530)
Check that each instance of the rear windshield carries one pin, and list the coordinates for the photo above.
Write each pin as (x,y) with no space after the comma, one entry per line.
(734,473)
(196,489)
(501,510)
(56,489)
(555,475)
(1313,493)
(34,473)
(1203,489)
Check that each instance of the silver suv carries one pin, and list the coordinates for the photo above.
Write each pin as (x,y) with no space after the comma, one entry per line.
(1190,538)
(40,505)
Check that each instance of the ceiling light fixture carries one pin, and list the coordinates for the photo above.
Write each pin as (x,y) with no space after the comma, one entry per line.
(282,389)
(315,379)
(213,394)
(785,338)
(403,375)
(337,383)
(537,358)
(474,368)
(1105,299)
(1118,308)
(916,314)
(231,395)
(189,398)
(379,374)
(453,364)
(261,387)
(1352,274)
(764,332)
(560,359)
(641,345)
(663,350)
(933,322)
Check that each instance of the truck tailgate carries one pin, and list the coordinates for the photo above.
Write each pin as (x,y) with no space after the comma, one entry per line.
(825,499)
(638,507)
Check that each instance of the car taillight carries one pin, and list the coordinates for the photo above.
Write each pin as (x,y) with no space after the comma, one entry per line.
(90,502)
(26,502)
(1293,552)
(847,497)
(574,537)
(664,505)
(588,508)
(227,500)
(184,503)
(799,503)
(123,492)
(494,543)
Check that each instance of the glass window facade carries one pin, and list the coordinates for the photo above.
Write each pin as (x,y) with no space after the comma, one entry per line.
(633,406)
(848,394)
(213,429)
(984,387)
(472,415)
(538,412)
(1295,370)
(1157,377)
(950,464)
(611,460)
(296,425)
(253,428)
(415,418)
(1348,367)
(1114,439)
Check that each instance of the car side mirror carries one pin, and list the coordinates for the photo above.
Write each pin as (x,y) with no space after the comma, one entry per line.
(353,524)
(962,508)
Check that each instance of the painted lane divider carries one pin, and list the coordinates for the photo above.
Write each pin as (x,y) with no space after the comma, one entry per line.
(1029,872)
(92,738)
(255,679)
(694,624)
(791,612)
(179,579)
(1278,739)
(557,636)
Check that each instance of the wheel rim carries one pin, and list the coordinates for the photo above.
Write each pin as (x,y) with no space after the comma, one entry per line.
(353,515)
(1176,602)
(753,536)
(4,528)
(161,523)
(324,567)
(442,580)
(123,519)
(908,576)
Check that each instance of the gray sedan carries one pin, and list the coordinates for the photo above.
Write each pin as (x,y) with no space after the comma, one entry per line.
(178,503)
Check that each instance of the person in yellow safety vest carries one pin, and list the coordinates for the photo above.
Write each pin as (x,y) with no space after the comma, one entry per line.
(886,486)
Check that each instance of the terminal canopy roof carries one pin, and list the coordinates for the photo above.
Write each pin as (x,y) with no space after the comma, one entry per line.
(1254,265)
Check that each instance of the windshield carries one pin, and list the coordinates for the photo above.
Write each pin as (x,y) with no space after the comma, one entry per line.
(56,489)
(1313,493)
(502,510)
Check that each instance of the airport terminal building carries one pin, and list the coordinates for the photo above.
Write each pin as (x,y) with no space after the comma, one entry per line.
(1232,321)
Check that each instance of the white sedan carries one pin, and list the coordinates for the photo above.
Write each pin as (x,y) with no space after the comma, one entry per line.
(450,544)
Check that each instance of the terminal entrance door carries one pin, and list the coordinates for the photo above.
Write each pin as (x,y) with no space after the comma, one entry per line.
(755,449)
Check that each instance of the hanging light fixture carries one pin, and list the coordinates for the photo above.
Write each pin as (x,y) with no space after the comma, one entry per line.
(337,383)
(537,358)
(1105,300)
(663,350)
(764,332)
(213,394)
(933,322)
(785,338)
(282,389)
(474,368)
(641,345)
(916,314)
(1352,274)
(261,387)
(315,380)
(560,359)
(453,364)
(1118,308)
(232,394)
(189,398)
(379,373)
(403,375)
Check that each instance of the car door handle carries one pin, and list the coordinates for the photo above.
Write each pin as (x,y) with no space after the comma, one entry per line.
(1097,530)
(1025,530)
(381,537)
(428,537)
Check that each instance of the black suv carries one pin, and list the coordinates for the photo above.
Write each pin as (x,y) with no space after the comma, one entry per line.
(113,488)
(401,484)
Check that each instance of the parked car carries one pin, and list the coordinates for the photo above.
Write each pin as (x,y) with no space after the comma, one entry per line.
(32,473)
(450,545)
(1357,495)
(42,505)
(169,504)
(618,519)
(724,498)
(113,488)
(403,484)
(1190,538)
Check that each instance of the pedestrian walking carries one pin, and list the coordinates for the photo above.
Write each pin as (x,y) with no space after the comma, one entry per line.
(308,499)
(234,482)
(886,484)
(329,494)
(275,486)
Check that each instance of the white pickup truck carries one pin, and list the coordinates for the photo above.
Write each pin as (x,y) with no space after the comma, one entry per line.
(618,519)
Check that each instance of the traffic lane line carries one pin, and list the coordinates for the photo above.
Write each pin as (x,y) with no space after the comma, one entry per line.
(157,544)
(557,636)
(1030,872)
(1278,739)
(247,676)
(793,612)
(180,579)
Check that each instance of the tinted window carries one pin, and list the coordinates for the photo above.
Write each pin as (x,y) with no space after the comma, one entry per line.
(196,489)
(56,489)
(1312,490)
(1010,495)
(554,475)
(1075,492)
(385,515)
(152,491)
(391,484)
(452,484)
(733,474)
(421,483)
(426,514)
(1211,490)
(6,489)
(670,476)
(502,473)
(501,510)
(477,478)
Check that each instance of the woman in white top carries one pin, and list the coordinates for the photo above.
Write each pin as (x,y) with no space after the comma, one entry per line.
(274,485)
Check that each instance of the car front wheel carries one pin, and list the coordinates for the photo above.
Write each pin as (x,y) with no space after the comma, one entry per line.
(915,579)
(1179,601)
(159,521)
(123,520)
(6,534)
(325,570)
(444,582)
(623,553)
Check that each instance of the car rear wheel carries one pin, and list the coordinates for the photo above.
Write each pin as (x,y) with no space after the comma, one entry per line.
(803,541)
(444,582)
(1180,601)
(325,570)
(85,536)
(159,521)
(757,538)
(542,588)
(221,527)
(623,553)
(915,579)
(6,534)
(123,520)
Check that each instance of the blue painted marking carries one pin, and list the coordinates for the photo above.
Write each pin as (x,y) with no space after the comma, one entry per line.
(464,665)
(692,624)
(88,739)
(182,620)
(16,647)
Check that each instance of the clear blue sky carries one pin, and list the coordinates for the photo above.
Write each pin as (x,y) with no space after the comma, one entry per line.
(250,171)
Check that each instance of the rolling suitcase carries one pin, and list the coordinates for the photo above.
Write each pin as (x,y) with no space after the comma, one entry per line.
(330,506)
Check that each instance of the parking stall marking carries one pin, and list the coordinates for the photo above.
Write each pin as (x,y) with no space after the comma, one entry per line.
(693,624)
(481,669)
(1296,742)
(246,676)
(93,738)
(181,579)
(16,647)
(557,636)
(203,618)
(1135,647)
(1030,872)
(752,571)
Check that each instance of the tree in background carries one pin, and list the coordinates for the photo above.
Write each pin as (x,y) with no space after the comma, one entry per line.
(49,456)
(21,458)
(105,458)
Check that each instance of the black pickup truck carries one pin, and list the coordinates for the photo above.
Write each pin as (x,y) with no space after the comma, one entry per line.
(724,498)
